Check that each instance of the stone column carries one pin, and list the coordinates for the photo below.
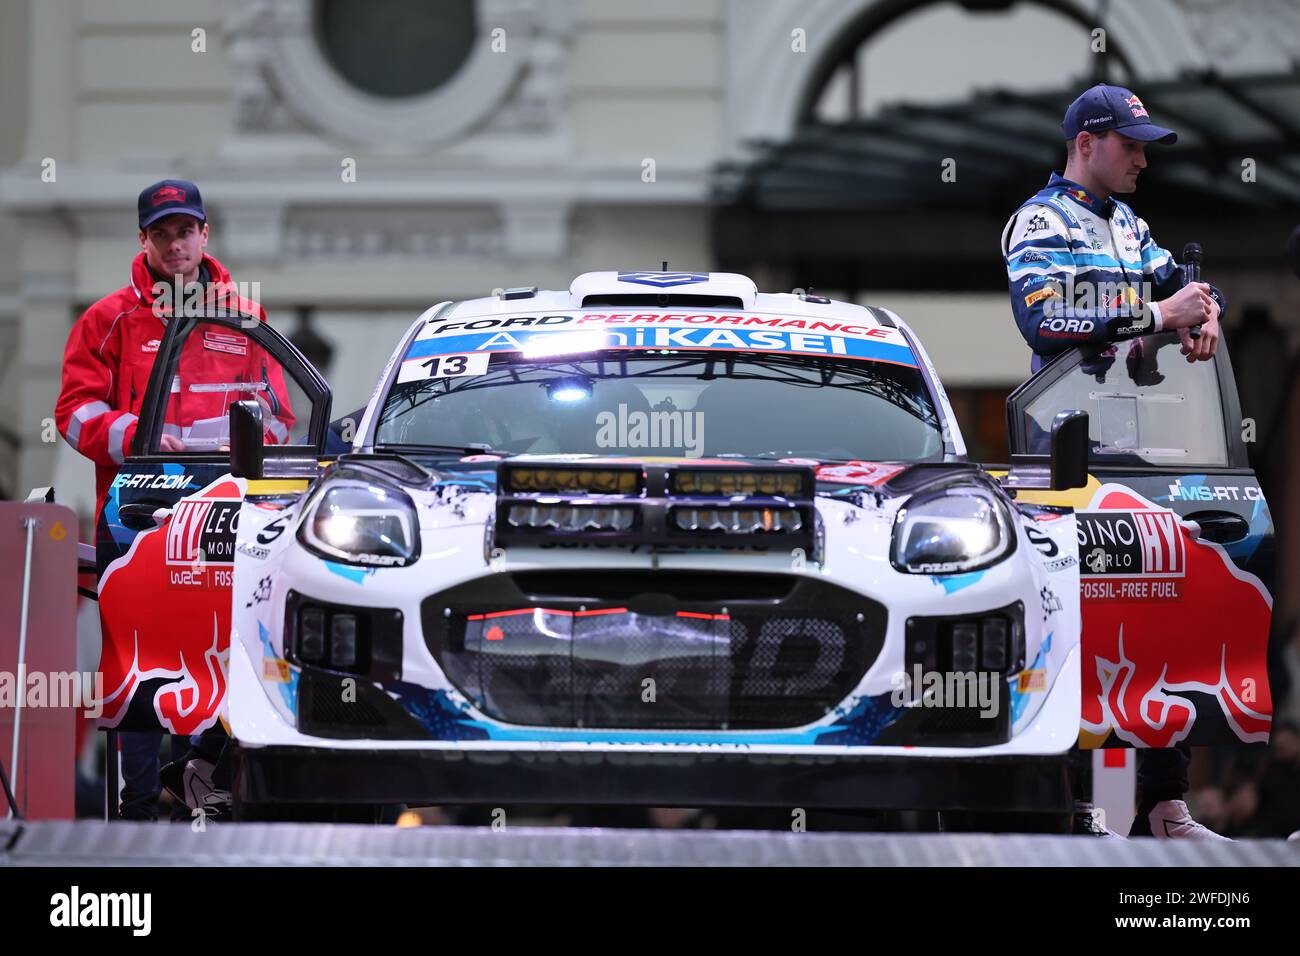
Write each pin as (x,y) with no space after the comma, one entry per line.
(45,315)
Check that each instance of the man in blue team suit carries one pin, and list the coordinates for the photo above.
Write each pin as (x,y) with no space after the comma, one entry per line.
(1083,269)
(1078,260)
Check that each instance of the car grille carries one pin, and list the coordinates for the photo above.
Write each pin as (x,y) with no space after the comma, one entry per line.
(653,650)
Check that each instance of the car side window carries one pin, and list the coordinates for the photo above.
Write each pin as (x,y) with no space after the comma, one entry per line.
(1146,404)
(219,364)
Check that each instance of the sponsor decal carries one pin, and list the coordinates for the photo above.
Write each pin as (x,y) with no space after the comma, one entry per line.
(1037,223)
(169,482)
(272,530)
(1135,107)
(1032,681)
(262,593)
(539,335)
(1066,326)
(202,532)
(1136,590)
(1051,603)
(1132,543)
(443,366)
(1096,121)
(857,473)
(1200,492)
(229,342)
(1053,560)
(275,670)
(165,650)
(151,345)
(1041,294)
(663,280)
(1149,661)
(1032,256)
(1042,542)
(253,551)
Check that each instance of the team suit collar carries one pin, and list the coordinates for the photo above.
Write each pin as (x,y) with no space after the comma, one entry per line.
(1084,197)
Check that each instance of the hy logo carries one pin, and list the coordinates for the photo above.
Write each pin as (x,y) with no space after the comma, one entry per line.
(663,280)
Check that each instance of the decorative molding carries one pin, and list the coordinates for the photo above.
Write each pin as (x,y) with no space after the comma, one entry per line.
(252,230)
(765,82)
(1245,36)
(536,230)
(285,84)
(380,235)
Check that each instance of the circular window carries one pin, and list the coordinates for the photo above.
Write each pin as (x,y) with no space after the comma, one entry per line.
(396,48)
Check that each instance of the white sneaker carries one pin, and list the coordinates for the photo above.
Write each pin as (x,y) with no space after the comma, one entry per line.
(1171,820)
(200,794)
(1091,821)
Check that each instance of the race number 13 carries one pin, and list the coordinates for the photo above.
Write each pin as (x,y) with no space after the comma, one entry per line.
(444,366)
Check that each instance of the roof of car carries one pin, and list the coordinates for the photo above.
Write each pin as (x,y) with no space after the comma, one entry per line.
(629,292)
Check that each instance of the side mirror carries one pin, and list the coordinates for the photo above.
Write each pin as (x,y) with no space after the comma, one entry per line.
(246,452)
(1069,451)
(1067,465)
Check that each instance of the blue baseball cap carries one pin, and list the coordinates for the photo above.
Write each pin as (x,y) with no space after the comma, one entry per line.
(1112,107)
(167,198)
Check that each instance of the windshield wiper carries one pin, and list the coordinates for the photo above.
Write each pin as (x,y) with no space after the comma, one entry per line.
(473,448)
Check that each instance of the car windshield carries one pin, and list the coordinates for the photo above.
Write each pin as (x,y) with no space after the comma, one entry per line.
(624,404)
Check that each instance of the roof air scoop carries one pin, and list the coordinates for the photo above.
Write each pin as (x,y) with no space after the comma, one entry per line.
(664,290)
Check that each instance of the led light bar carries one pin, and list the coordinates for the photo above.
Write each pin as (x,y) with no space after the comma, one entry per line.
(566,517)
(528,479)
(749,482)
(738,520)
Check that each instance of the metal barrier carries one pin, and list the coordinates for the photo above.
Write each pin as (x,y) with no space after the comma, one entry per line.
(91,843)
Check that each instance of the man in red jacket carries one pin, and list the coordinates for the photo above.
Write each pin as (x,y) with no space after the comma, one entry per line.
(106,367)
(111,349)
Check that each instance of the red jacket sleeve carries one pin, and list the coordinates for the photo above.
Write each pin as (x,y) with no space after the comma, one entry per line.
(84,414)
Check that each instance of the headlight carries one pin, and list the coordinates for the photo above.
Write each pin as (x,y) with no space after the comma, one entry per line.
(960,528)
(358,522)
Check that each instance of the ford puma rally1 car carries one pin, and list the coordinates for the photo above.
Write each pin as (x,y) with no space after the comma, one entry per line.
(661,539)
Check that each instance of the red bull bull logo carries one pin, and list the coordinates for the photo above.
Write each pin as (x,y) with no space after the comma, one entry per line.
(171,642)
(168,194)
(1167,620)
(1135,106)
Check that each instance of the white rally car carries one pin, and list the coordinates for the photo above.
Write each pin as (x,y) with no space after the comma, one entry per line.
(660,539)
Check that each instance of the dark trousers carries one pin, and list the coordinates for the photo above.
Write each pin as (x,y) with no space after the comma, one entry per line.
(140,765)
(1162,774)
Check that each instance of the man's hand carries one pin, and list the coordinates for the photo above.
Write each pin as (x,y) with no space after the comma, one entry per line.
(172,443)
(1203,348)
(1190,305)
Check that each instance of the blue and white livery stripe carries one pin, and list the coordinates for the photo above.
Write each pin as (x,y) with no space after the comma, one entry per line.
(774,341)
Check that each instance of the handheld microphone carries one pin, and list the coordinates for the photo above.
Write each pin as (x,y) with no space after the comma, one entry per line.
(1192,273)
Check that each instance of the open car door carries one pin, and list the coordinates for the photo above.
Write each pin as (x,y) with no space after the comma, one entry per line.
(1176,548)
(166,541)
